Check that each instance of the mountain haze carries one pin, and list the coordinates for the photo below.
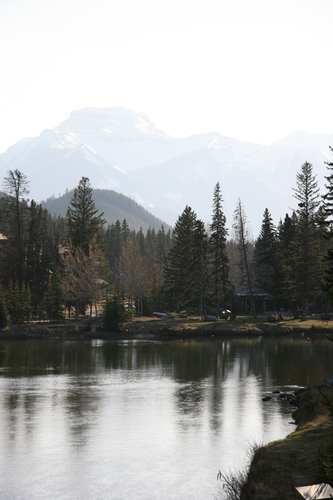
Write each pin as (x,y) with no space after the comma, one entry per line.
(123,151)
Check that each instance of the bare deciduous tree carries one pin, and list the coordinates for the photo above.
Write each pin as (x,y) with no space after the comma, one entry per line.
(85,275)
(243,241)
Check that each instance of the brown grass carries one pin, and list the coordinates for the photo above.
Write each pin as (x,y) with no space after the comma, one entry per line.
(244,325)
(277,468)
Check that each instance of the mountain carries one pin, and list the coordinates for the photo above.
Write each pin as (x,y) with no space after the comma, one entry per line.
(115,206)
(121,150)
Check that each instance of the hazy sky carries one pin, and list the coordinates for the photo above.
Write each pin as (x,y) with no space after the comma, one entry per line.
(254,70)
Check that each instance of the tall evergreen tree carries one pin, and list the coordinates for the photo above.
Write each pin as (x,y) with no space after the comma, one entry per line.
(327,199)
(198,292)
(177,273)
(15,225)
(265,255)
(114,244)
(37,256)
(287,257)
(327,211)
(219,275)
(140,240)
(125,231)
(307,195)
(84,221)
(161,249)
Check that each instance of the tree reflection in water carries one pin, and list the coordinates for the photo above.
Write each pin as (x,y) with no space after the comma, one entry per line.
(140,411)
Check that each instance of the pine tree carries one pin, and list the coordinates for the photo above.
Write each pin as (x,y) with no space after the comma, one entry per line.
(37,256)
(114,244)
(219,275)
(307,195)
(287,257)
(15,225)
(83,219)
(159,257)
(177,273)
(327,199)
(265,255)
(125,231)
(328,231)
(199,268)
(140,241)
(113,312)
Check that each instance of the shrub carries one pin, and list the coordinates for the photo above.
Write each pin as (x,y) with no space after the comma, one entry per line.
(325,470)
(113,313)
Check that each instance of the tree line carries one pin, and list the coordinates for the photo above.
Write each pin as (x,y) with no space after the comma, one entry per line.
(52,265)
(291,265)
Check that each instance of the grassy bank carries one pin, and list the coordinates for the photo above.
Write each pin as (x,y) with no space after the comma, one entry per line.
(243,325)
(170,327)
(305,457)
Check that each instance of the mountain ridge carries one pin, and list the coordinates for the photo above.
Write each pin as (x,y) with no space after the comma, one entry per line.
(115,206)
(121,150)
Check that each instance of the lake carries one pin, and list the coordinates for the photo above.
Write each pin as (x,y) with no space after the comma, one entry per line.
(141,419)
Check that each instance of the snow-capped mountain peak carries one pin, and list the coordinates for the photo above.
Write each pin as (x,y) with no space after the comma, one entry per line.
(120,149)
(116,122)
(303,140)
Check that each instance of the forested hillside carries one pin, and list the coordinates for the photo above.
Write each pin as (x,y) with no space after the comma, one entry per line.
(115,206)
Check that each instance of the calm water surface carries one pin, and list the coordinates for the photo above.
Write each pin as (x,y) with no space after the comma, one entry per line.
(142,420)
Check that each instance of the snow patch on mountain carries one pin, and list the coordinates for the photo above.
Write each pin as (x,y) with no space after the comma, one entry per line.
(119,169)
(304,140)
(172,197)
(116,121)
(123,150)
(16,152)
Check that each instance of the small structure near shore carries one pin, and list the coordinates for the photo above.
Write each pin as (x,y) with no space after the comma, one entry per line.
(159,314)
(263,300)
(328,382)
(320,491)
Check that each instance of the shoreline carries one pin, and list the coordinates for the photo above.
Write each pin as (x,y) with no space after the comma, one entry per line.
(276,469)
(166,329)
(295,458)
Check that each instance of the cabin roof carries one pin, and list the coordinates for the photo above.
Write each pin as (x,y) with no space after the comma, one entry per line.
(243,291)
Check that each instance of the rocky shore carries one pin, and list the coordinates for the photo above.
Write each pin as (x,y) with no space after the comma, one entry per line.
(302,458)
